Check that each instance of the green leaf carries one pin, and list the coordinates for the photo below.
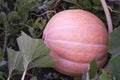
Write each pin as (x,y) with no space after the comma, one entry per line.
(92,69)
(86,3)
(71,1)
(33,78)
(97,2)
(1,2)
(78,78)
(114,43)
(14,58)
(31,48)
(37,22)
(24,13)
(114,66)
(45,61)
(13,15)
(32,32)
(1,77)
(3,17)
(43,23)
(3,63)
(104,76)
(1,54)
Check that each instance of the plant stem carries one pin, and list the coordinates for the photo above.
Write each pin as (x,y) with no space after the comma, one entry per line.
(9,78)
(4,18)
(23,76)
(87,76)
(5,39)
(107,14)
(24,73)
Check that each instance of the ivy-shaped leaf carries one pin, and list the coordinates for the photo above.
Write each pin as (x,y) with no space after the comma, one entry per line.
(3,17)
(42,62)
(33,51)
(114,43)
(14,58)
(13,15)
(31,48)
(114,66)
(92,69)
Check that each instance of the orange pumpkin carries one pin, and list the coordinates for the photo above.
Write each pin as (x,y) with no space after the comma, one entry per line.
(75,38)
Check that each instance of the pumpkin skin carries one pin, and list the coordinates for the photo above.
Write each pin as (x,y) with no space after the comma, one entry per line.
(75,38)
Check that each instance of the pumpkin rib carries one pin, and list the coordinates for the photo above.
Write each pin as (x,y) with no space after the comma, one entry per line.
(78,43)
(65,51)
(78,56)
(58,55)
(63,27)
(76,37)
(76,67)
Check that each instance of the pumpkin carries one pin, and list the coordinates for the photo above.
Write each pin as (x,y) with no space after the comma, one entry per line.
(75,38)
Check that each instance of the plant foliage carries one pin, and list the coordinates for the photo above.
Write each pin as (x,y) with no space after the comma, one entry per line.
(33,53)
(21,54)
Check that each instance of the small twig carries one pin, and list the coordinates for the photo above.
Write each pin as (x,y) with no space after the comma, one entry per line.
(49,11)
(107,14)
(113,10)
